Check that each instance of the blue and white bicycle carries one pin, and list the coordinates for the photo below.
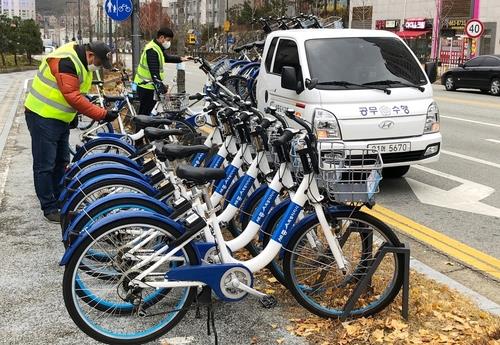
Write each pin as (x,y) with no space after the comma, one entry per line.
(151,269)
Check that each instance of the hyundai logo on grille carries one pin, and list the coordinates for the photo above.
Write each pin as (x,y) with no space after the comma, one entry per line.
(386,124)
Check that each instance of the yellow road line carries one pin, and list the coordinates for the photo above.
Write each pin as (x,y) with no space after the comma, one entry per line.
(468,102)
(468,255)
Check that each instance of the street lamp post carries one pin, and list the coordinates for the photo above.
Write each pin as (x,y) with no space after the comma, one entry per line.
(227,33)
(79,22)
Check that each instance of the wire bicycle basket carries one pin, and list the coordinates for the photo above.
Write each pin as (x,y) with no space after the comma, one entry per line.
(175,102)
(349,175)
(332,22)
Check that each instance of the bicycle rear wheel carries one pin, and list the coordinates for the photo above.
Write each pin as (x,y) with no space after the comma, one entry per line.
(315,280)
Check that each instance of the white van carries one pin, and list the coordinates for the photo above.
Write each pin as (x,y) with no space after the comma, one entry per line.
(362,87)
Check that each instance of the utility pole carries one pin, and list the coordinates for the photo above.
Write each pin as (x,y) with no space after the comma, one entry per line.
(181,73)
(80,22)
(110,32)
(436,31)
(136,35)
(90,21)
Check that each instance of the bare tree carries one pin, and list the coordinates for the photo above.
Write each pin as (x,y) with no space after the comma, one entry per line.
(362,11)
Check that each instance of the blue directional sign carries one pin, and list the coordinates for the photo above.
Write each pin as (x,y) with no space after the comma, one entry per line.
(118,9)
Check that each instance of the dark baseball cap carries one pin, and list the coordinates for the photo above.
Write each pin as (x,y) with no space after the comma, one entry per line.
(103,52)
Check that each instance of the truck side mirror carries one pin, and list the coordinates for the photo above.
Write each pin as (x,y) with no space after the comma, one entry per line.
(431,71)
(289,79)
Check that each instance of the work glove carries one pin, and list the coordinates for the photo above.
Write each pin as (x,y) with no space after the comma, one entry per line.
(111,116)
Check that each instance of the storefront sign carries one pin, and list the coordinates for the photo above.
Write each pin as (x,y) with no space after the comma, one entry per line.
(415,24)
(389,24)
(456,23)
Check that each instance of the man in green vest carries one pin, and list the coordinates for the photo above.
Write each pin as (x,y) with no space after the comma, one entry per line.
(56,95)
(150,67)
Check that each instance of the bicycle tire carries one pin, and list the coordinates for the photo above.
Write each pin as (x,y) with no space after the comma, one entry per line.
(386,298)
(111,337)
(237,85)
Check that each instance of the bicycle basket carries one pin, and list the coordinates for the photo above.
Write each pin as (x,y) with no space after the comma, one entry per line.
(349,175)
(175,102)
(332,22)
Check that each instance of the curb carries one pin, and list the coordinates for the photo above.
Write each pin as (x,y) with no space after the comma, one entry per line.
(481,301)
(10,119)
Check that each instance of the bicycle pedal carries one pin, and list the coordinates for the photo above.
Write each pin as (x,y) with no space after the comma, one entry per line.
(268,301)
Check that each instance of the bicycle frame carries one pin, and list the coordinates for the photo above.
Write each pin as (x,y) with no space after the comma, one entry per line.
(306,192)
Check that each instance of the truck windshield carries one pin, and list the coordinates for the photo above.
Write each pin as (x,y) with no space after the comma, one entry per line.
(362,60)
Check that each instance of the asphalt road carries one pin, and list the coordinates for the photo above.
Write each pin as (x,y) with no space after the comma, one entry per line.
(470,125)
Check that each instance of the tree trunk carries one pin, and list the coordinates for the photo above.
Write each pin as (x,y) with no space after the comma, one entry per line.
(15,59)
(3,58)
(28,56)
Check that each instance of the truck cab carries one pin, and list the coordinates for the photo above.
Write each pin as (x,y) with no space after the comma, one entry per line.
(363,88)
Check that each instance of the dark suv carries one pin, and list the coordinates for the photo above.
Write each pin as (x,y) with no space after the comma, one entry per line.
(482,72)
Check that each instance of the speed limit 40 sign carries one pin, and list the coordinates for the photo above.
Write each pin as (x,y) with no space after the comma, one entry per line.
(474,28)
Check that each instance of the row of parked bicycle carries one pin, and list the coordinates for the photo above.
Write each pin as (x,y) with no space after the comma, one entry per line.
(154,220)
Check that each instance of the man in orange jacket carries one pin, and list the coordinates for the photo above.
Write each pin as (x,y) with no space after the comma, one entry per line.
(56,95)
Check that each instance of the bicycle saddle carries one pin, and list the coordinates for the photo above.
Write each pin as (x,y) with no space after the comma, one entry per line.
(143,121)
(173,151)
(199,175)
(238,49)
(153,133)
(259,44)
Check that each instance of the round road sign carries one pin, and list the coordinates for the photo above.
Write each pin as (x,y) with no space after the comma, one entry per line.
(474,28)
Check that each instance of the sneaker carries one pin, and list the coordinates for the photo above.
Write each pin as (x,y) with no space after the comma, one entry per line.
(52,217)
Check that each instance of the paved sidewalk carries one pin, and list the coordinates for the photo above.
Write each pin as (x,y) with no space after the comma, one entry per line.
(32,309)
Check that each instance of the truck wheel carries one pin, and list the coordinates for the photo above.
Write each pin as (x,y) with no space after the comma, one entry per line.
(395,172)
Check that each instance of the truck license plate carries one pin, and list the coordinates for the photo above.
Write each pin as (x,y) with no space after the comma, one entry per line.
(391,148)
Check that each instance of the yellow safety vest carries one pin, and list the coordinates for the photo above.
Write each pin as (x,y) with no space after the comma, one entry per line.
(143,73)
(45,98)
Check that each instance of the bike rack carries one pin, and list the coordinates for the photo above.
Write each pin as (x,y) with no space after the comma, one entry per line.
(365,282)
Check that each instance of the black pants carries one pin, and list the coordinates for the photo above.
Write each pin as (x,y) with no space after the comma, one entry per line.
(146,97)
(50,151)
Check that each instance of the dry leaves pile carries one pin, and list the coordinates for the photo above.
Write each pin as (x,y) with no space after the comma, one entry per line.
(438,315)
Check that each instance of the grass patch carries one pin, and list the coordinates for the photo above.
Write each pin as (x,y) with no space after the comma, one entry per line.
(22,61)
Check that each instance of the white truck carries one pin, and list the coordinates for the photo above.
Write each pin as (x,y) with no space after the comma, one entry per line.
(364,88)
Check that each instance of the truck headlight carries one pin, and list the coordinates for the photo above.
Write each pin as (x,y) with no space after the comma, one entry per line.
(432,119)
(326,125)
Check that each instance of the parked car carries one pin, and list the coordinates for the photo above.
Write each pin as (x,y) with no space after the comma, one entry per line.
(482,72)
(48,49)
(363,88)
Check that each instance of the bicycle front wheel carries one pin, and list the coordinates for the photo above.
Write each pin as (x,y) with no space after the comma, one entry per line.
(112,311)
(313,276)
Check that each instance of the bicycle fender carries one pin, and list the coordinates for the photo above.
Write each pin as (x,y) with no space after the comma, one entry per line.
(111,178)
(110,135)
(245,209)
(119,159)
(167,222)
(167,210)
(95,170)
(104,140)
